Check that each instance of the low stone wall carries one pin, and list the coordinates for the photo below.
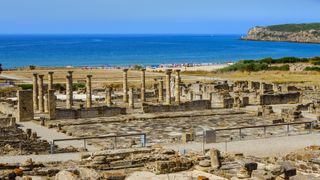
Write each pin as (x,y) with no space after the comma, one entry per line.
(102,111)
(187,106)
(7,107)
(287,98)
(7,122)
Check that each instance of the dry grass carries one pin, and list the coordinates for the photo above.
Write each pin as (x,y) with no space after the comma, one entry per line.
(300,78)
(101,77)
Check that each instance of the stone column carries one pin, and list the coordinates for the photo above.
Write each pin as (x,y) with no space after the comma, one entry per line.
(125,85)
(25,106)
(177,91)
(50,80)
(168,88)
(69,92)
(88,92)
(131,98)
(71,85)
(46,103)
(51,104)
(108,97)
(35,92)
(215,158)
(41,95)
(161,90)
(143,85)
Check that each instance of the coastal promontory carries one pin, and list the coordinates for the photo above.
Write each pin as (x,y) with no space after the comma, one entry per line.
(302,33)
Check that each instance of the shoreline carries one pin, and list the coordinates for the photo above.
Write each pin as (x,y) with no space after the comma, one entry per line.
(160,67)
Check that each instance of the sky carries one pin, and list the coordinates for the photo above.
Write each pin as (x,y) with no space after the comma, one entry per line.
(150,16)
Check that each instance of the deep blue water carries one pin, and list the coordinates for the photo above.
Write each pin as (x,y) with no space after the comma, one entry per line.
(99,50)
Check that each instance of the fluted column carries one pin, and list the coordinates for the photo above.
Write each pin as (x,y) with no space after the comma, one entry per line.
(41,95)
(108,98)
(177,92)
(125,85)
(88,92)
(160,90)
(50,80)
(69,92)
(168,88)
(35,92)
(143,85)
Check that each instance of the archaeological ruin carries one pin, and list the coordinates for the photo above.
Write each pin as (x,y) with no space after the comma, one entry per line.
(158,125)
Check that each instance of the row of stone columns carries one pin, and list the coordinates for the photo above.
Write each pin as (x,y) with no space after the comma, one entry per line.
(168,73)
(69,91)
(38,91)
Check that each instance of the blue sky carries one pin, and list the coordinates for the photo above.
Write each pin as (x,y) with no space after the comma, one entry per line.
(150,16)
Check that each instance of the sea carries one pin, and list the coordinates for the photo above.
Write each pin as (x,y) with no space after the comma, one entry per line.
(147,50)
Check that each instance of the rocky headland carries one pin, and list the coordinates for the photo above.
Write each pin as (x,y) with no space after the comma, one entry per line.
(302,33)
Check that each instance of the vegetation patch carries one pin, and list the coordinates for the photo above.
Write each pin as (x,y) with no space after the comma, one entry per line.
(294,27)
(267,64)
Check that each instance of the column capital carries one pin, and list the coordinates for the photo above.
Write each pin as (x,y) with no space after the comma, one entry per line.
(168,71)
(70,72)
(143,69)
(41,76)
(177,70)
(125,70)
(50,72)
(89,76)
(35,74)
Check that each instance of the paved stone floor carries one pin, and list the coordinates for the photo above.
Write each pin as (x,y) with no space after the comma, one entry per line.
(162,129)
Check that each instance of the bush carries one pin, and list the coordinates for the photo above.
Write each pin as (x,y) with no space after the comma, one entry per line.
(137,67)
(25,86)
(279,68)
(315,68)
(77,86)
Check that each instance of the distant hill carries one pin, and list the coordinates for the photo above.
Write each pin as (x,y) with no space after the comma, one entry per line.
(304,33)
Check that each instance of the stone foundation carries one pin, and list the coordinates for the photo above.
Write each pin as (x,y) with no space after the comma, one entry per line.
(102,111)
(288,98)
(186,106)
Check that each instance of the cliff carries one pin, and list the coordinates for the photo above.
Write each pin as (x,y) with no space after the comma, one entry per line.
(303,33)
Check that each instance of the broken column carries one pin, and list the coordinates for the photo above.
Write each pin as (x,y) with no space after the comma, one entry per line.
(143,85)
(35,92)
(41,95)
(50,80)
(131,98)
(25,106)
(69,92)
(160,90)
(177,87)
(88,92)
(246,169)
(215,158)
(125,85)
(108,98)
(51,104)
(168,87)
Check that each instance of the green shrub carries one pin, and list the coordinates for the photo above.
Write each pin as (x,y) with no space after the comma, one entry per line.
(279,68)
(25,86)
(314,68)
(77,86)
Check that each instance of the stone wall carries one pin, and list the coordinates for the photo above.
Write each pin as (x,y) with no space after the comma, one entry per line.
(102,111)
(7,122)
(286,98)
(7,107)
(25,106)
(186,106)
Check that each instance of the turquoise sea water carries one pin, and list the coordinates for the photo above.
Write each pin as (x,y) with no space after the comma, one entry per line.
(119,50)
